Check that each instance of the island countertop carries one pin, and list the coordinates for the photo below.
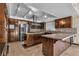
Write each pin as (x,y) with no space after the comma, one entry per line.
(32,33)
(54,44)
(59,36)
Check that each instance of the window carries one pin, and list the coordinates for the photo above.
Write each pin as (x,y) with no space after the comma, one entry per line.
(11,26)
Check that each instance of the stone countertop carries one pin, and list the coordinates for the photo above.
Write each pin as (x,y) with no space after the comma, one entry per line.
(49,32)
(32,33)
(66,30)
(1,47)
(59,36)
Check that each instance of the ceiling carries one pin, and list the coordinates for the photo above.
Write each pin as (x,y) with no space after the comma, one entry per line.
(44,11)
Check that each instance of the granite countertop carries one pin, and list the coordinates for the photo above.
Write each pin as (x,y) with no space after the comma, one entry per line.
(49,32)
(56,31)
(1,47)
(59,36)
(35,33)
(45,32)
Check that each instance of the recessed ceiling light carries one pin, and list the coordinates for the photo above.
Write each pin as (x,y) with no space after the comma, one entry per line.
(45,16)
(19,9)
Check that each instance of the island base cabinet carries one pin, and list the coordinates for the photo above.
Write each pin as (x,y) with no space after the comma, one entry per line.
(47,47)
(60,47)
(51,47)
(33,40)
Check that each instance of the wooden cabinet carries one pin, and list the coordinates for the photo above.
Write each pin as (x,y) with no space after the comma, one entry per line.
(51,47)
(48,47)
(63,23)
(37,25)
(3,27)
(59,47)
(33,39)
(13,36)
(3,31)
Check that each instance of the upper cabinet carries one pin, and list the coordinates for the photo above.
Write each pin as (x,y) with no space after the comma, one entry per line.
(37,25)
(63,22)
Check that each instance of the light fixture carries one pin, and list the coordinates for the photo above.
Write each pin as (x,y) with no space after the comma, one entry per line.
(62,22)
(19,9)
(45,16)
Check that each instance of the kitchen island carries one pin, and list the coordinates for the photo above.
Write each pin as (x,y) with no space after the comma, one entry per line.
(33,38)
(55,44)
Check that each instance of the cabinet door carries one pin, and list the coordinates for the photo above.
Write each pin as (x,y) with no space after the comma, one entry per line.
(63,22)
(47,47)
(2,23)
(59,47)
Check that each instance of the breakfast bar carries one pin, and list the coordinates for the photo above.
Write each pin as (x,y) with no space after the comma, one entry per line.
(55,44)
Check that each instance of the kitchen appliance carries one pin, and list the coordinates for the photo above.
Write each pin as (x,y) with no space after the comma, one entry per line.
(23,29)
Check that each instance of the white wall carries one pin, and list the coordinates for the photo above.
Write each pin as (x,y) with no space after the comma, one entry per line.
(50,25)
(75,24)
(78,30)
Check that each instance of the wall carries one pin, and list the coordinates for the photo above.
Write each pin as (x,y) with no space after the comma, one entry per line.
(50,25)
(75,24)
(78,30)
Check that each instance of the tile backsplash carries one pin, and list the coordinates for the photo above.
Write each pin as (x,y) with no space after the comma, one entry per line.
(36,30)
(74,30)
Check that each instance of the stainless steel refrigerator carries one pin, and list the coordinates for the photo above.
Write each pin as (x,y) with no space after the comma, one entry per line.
(23,29)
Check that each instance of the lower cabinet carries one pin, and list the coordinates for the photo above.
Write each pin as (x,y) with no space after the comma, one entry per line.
(3,28)
(53,48)
(60,47)
(33,39)
(47,47)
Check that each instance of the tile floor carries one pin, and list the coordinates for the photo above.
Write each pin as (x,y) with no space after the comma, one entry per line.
(16,49)
(71,51)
